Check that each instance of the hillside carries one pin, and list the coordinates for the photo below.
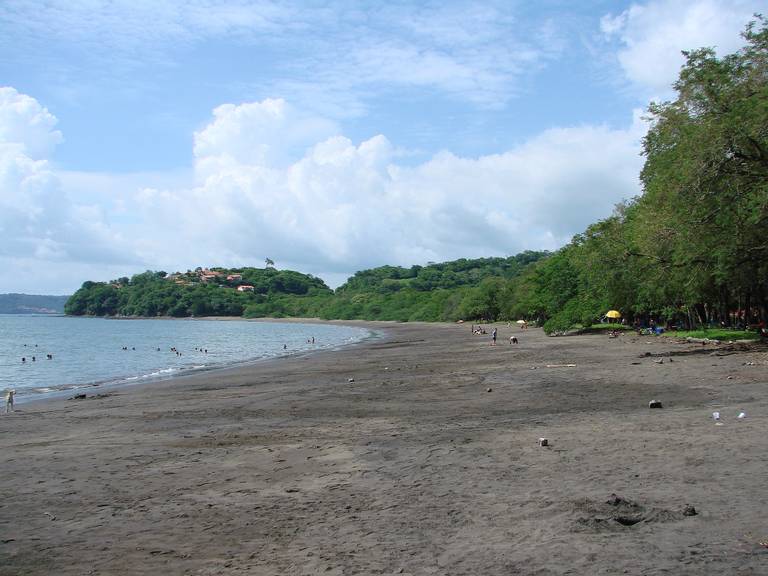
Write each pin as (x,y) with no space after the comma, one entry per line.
(202,292)
(448,291)
(445,291)
(31,304)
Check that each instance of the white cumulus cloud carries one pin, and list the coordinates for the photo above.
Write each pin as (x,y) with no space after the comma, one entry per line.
(24,123)
(261,133)
(651,36)
(341,206)
(37,220)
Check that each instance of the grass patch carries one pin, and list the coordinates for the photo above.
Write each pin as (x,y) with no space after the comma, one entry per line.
(715,334)
(608,327)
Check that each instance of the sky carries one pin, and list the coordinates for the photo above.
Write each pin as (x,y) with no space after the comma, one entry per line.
(328,136)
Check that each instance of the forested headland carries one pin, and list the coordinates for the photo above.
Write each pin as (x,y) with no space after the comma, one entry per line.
(435,292)
(692,249)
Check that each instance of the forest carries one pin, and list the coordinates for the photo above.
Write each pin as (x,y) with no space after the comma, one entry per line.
(435,292)
(691,250)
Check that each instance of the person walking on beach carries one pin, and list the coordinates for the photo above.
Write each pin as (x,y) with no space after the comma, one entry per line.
(493,337)
(9,401)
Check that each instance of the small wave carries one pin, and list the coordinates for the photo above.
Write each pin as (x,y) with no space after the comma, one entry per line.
(160,372)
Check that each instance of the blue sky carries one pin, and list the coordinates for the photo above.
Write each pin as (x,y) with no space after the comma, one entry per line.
(329,136)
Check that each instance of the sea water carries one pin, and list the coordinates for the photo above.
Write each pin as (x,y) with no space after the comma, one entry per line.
(88,352)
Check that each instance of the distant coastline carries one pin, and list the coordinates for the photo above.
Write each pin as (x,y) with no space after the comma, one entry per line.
(14,303)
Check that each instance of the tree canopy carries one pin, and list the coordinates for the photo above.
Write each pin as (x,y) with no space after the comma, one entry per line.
(694,247)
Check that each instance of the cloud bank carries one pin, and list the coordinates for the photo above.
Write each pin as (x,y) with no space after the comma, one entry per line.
(40,227)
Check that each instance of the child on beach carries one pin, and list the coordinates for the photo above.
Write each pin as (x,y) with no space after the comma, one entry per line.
(9,401)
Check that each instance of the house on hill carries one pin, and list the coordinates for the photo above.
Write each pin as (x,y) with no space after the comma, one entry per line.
(208,275)
(245,288)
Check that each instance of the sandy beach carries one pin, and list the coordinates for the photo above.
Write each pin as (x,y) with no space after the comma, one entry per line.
(416,454)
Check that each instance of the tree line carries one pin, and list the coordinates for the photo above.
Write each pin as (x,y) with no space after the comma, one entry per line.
(436,292)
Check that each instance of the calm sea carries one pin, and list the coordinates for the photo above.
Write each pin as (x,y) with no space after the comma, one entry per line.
(89,351)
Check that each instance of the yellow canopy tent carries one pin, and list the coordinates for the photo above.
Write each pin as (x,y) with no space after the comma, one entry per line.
(613,314)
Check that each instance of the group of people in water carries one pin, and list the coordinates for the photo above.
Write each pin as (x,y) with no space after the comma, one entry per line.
(175,350)
(34,357)
(10,394)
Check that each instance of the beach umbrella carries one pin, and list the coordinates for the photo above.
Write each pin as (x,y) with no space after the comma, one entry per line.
(520,322)
(613,314)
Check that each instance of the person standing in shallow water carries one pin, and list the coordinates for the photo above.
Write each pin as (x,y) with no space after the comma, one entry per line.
(9,401)
(493,337)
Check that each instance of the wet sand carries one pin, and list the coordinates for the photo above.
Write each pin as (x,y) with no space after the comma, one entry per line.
(414,454)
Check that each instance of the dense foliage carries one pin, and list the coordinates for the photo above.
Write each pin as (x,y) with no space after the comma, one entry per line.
(446,291)
(198,293)
(693,249)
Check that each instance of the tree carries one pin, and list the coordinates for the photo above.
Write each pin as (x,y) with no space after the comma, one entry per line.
(705,179)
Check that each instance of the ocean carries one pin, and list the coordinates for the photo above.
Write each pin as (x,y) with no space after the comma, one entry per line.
(88,352)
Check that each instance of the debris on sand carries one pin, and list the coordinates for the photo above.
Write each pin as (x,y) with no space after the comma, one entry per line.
(616,500)
(655,404)
(618,511)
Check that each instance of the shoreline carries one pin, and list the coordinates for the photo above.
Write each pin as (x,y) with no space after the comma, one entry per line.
(414,454)
(107,387)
